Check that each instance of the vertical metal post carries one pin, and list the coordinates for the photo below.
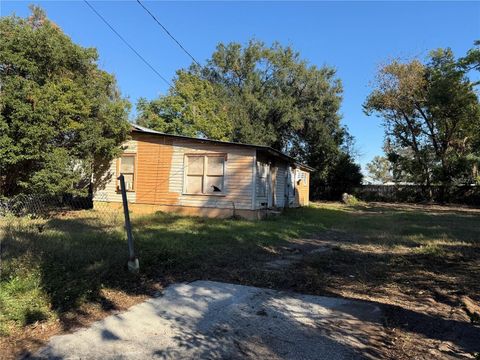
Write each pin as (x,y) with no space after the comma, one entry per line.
(133,264)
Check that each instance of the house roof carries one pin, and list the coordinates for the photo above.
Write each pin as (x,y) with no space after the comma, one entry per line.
(267,149)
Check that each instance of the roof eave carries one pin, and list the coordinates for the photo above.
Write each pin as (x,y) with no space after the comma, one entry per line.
(272,151)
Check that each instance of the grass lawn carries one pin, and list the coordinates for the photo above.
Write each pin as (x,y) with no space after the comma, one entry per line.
(70,269)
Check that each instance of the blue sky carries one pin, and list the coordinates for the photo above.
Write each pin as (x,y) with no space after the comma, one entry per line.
(353,37)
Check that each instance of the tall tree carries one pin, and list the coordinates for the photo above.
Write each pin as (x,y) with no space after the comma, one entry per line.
(58,111)
(193,107)
(380,169)
(431,115)
(261,95)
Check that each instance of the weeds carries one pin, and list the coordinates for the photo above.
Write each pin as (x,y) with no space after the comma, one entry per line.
(55,266)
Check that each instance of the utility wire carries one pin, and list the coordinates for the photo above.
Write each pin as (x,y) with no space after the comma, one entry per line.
(168,32)
(126,43)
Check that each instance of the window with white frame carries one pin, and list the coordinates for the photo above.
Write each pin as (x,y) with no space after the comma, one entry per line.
(301,176)
(205,174)
(126,166)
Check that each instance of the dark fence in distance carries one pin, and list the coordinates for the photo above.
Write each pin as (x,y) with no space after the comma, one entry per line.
(466,194)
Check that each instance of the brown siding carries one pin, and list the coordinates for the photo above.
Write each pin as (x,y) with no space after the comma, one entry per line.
(159,176)
(302,191)
(154,162)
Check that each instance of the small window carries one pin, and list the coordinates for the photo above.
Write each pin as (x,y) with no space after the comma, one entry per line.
(205,174)
(126,166)
(304,177)
(195,174)
(301,176)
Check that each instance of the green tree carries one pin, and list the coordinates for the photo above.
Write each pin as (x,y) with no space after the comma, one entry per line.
(59,113)
(471,61)
(193,107)
(261,95)
(380,169)
(431,115)
(344,176)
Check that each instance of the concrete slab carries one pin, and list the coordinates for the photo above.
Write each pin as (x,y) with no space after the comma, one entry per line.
(210,320)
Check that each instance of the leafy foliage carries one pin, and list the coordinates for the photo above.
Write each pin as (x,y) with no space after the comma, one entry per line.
(380,170)
(193,107)
(260,95)
(58,110)
(431,115)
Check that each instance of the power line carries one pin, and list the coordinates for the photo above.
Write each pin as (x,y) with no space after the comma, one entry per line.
(168,32)
(126,43)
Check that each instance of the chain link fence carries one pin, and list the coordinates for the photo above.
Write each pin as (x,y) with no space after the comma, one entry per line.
(56,252)
(50,206)
(27,222)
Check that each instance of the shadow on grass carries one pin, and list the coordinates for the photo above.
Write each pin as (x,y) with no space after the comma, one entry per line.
(421,280)
(68,261)
(73,259)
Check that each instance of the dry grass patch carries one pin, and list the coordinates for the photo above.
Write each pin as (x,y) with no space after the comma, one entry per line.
(68,270)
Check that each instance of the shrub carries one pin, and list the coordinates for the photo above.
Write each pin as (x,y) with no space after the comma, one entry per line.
(350,199)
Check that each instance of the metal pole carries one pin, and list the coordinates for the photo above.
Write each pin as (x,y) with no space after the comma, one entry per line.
(133,264)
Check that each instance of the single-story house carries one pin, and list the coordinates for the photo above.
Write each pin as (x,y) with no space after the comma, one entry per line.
(202,177)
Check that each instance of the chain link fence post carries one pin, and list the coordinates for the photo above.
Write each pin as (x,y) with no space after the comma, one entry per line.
(133,264)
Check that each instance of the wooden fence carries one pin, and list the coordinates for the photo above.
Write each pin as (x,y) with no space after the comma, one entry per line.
(464,194)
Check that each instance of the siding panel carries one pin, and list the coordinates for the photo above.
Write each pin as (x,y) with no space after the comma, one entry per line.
(105,185)
(159,176)
(237,181)
(280,185)
(153,171)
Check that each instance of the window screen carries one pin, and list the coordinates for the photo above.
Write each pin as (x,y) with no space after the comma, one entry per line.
(127,168)
(205,174)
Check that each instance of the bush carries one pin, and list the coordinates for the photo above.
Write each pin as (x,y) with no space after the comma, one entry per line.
(350,199)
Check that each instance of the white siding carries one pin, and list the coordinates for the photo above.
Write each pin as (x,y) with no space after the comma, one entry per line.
(242,185)
(237,181)
(280,185)
(106,187)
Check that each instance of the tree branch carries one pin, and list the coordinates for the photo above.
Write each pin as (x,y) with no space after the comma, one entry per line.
(430,128)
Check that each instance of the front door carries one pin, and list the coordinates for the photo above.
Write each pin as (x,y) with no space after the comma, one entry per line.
(290,187)
(272,177)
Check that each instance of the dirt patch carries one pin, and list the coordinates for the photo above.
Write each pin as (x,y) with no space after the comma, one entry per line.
(298,249)
(420,292)
(431,208)
(417,261)
(20,344)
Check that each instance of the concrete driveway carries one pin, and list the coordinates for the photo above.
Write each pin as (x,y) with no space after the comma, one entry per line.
(211,320)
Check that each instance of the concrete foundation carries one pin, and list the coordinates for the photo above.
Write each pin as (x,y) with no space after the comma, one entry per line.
(211,212)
